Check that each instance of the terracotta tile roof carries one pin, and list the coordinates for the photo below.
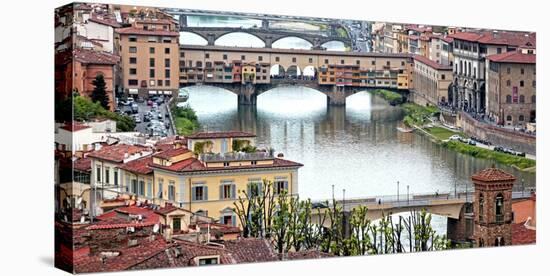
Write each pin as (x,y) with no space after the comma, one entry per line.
(169,153)
(513,57)
(310,254)
(251,250)
(138,31)
(155,21)
(448,39)
(493,175)
(431,63)
(521,235)
(139,166)
(117,152)
(194,165)
(75,126)
(220,134)
(224,228)
(496,38)
(113,219)
(105,21)
(168,208)
(95,57)
(83,164)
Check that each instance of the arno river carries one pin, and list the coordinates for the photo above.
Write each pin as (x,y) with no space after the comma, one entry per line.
(356,147)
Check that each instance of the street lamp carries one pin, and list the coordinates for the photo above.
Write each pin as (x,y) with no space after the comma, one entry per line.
(397,192)
(407,194)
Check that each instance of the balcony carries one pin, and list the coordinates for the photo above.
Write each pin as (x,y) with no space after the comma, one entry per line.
(235,156)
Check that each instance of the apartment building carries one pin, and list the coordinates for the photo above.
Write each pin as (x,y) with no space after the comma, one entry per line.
(431,81)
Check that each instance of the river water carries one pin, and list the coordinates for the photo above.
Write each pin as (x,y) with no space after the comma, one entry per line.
(356,147)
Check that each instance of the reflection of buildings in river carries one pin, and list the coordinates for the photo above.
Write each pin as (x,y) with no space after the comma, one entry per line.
(405,137)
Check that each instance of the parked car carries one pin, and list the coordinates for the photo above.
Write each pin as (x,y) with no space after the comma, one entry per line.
(135,108)
(471,142)
(521,154)
(159,116)
(137,119)
(454,137)
(498,148)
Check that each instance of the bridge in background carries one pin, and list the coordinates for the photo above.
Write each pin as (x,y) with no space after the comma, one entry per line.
(267,36)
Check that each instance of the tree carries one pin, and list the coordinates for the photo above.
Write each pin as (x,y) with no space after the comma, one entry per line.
(99,94)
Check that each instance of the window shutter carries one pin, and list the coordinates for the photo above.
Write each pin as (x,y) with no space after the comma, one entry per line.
(234,220)
(221,219)
(221,191)
(249,189)
(160,190)
(193,194)
(127,184)
(205,192)
(233,192)
(181,192)
(286,186)
(149,189)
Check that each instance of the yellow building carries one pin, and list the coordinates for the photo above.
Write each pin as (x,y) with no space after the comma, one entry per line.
(208,181)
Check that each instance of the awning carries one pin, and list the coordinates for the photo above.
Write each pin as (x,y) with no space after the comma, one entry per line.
(132,91)
(152,92)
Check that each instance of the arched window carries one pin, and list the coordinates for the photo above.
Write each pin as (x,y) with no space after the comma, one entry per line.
(508,98)
(481,204)
(499,208)
(509,118)
(521,98)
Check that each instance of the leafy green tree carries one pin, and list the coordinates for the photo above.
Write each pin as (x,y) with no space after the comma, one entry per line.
(99,94)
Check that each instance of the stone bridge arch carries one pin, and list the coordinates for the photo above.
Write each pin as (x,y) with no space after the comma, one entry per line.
(243,31)
(310,40)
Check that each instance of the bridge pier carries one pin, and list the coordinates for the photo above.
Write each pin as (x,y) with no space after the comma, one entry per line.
(460,230)
(211,38)
(247,94)
(183,20)
(268,41)
(337,97)
(265,24)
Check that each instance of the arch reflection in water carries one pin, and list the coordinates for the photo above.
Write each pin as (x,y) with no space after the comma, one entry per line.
(356,147)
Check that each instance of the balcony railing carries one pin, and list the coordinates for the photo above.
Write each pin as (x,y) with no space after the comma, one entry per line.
(234,156)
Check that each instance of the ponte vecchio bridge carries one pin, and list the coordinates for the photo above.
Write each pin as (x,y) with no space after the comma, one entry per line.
(248,72)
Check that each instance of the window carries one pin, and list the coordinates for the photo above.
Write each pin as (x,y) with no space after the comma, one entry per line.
(182,54)
(373,62)
(151,50)
(227,190)
(534,99)
(166,82)
(134,186)
(326,61)
(207,55)
(226,164)
(151,73)
(107,175)
(522,71)
(208,261)
(167,50)
(224,56)
(98,174)
(280,186)
(310,60)
(161,186)
(167,73)
(254,187)
(171,190)
(133,71)
(133,60)
(342,61)
(521,118)
(499,208)
(358,62)
(521,99)
(115,177)
(151,62)
(141,188)
(388,63)
(508,99)
(277,59)
(534,84)
(481,209)
(159,82)
(166,62)
(132,82)
(293,59)
(133,49)
(199,193)
(508,82)
(499,50)
(260,58)
(176,224)
(508,70)
(509,118)
(132,39)
(402,63)
(243,57)
(442,76)
(199,64)
(521,83)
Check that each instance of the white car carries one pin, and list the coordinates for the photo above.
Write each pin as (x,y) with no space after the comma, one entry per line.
(455,137)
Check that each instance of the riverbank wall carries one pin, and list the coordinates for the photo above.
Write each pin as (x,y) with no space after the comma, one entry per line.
(497,135)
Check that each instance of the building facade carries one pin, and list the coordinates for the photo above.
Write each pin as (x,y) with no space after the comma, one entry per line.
(149,54)
(511,87)
(431,81)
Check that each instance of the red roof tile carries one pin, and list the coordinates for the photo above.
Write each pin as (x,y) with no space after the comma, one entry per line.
(95,57)
(251,250)
(194,165)
(521,235)
(493,175)
(496,38)
(113,219)
(117,152)
(310,254)
(448,39)
(138,31)
(221,134)
(431,63)
(169,153)
(75,126)
(106,21)
(513,57)
(139,166)
(83,164)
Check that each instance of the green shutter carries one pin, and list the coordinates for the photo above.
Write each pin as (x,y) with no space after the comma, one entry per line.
(233,191)
(221,191)
(205,193)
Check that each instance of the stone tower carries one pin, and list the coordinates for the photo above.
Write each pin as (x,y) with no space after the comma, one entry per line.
(493,207)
